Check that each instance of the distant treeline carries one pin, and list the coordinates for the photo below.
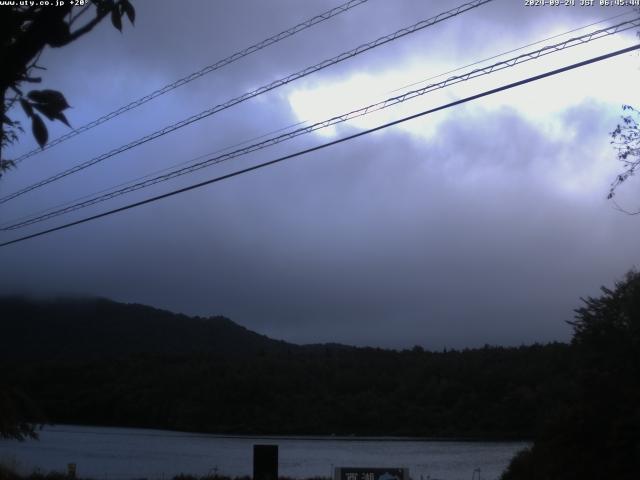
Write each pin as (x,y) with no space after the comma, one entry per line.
(103,363)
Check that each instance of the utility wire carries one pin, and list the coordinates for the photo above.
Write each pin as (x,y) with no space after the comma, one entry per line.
(511,51)
(148,175)
(331,121)
(193,160)
(328,144)
(278,83)
(204,71)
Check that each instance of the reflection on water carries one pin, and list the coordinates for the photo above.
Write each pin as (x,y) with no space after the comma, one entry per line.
(122,453)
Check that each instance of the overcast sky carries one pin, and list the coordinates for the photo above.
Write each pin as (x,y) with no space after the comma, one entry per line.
(483,223)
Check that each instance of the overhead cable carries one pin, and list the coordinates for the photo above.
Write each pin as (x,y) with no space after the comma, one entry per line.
(413,84)
(478,72)
(282,129)
(278,83)
(151,174)
(328,144)
(193,76)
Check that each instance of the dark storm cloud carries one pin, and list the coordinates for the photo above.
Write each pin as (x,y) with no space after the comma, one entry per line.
(472,235)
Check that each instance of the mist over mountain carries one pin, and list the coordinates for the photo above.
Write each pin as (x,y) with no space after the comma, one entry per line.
(93,328)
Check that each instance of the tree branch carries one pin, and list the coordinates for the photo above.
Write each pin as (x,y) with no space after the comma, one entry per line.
(620,209)
(87,28)
(79,14)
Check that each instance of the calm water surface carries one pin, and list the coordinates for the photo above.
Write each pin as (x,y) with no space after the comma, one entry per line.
(123,453)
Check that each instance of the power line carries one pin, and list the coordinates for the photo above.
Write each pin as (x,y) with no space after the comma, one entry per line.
(8,224)
(581,40)
(328,144)
(193,76)
(278,83)
(512,51)
(59,206)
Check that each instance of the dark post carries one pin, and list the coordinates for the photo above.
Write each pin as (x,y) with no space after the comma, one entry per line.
(265,462)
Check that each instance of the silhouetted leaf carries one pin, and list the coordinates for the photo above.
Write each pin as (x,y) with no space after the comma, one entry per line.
(46,109)
(128,9)
(49,97)
(63,119)
(51,113)
(103,7)
(116,19)
(26,106)
(39,130)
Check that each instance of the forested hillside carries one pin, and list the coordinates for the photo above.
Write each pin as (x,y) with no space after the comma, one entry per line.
(87,329)
(105,363)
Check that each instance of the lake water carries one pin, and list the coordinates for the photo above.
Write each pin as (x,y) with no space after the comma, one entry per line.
(123,453)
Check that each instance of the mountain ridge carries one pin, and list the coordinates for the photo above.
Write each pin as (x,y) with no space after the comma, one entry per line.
(97,327)
(99,362)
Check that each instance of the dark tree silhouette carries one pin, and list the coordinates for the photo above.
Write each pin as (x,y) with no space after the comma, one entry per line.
(24,33)
(597,433)
(18,414)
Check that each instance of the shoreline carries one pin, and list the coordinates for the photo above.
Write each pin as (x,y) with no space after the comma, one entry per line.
(152,432)
(7,473)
